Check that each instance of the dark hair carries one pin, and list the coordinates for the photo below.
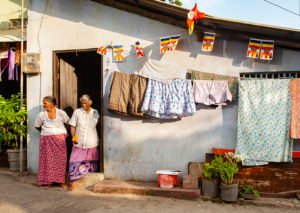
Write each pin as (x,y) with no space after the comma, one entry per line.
(50,99)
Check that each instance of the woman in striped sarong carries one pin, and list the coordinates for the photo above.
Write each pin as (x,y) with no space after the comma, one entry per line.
(85,154)
(53,149)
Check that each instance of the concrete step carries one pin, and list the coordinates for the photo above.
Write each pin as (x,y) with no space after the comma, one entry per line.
(144,188)
(89,180)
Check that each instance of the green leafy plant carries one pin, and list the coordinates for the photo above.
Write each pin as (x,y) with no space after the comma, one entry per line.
(210,171)
(248,189)
(227,167)
(12,119)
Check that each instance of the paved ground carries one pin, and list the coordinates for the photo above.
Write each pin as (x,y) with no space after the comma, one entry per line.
(21,194)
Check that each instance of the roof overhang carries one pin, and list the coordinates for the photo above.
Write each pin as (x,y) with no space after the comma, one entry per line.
(225,28)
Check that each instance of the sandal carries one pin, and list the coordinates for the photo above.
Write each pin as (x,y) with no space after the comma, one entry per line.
(72,186)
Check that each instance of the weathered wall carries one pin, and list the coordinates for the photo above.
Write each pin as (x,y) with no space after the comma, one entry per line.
(136,148)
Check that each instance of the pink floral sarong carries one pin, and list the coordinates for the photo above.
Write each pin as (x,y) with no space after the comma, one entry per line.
(53,159)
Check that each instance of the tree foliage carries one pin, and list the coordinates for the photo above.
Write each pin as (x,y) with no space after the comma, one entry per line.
(177,2)
(12,119)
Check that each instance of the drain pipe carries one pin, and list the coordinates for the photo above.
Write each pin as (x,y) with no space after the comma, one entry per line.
(21,83)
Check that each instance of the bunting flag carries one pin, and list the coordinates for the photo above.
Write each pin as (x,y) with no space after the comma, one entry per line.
(168,43)
(118,53)
(267,49)
(138,50)
(193,15)
(102,50)
(208,41)
(173,42)
(164,44)
(254,48)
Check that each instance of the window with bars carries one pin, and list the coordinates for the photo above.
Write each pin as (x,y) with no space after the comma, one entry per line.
(270,75)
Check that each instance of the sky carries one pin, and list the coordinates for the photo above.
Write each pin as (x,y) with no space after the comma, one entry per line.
(257,11)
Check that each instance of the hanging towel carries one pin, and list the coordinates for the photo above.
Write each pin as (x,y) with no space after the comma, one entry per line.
(264,113)
(295,119)
(211,92)
(169,100)
(233,82)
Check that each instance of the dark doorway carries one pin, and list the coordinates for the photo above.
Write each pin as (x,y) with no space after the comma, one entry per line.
(77,73)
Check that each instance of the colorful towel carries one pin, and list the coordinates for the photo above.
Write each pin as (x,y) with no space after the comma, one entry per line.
(233,82)
(264,113)
(295,120)
(83,161)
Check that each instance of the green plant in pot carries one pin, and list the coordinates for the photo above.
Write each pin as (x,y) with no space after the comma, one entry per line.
(249,192)
(12,126)
(210,179)
(227,166)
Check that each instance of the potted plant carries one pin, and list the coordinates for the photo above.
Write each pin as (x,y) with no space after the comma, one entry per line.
(210,179)
(227,166)
(249,192)
(12,126)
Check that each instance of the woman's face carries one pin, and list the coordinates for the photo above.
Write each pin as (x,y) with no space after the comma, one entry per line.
(47,105)
(85,104)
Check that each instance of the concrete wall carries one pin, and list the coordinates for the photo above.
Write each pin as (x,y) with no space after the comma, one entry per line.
(136,148)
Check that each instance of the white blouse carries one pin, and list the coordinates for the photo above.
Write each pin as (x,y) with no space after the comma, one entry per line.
(52,126)
(85,124)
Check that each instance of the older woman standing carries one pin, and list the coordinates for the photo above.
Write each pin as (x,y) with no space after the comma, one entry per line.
(53,149)
(85,154)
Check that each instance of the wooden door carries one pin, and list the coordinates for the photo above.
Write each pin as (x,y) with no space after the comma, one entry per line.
(68,86)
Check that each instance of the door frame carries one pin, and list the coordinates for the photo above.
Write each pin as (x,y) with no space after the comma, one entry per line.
(56,92)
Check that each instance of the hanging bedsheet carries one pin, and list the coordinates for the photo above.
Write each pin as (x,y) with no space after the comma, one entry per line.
(264,112)
(233,82)
(169,99)
(295,120)
(211,92)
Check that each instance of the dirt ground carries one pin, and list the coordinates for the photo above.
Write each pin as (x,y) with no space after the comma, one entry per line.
(22,195)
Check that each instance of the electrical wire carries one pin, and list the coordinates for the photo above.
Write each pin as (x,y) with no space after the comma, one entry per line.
(283,8)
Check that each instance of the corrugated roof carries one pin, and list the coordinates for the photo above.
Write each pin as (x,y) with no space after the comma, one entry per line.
(226,28)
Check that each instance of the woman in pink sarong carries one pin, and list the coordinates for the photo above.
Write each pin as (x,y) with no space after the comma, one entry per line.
(85,154)
(53,149)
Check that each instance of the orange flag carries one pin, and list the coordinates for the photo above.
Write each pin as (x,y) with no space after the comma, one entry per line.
(192,16)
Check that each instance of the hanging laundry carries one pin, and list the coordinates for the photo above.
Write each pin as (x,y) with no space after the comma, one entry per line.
(295,116)
(264,113)
(139,50)
(267,49)
(233,82)
(193,15)
(169,100)
(102,50)
(119,92)
(118,53)
(11,63)
(253,48)
(211,92)
(127,93)
(164,44)
(208,41)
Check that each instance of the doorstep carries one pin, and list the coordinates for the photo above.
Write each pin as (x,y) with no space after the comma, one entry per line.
(144,188)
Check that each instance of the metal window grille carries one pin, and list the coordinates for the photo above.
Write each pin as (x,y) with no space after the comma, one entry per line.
(270,75)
